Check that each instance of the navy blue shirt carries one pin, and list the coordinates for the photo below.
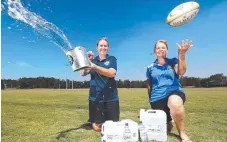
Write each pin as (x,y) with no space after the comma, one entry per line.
(102,88)
(163,79)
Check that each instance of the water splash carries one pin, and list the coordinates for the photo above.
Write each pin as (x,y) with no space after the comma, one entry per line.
(47,29)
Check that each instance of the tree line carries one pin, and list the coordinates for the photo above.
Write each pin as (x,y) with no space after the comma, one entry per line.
(216,80)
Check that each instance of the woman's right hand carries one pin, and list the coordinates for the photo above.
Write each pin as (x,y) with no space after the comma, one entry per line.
(183,48)
(90,55)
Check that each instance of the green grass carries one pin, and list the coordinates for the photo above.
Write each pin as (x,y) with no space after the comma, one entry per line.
(53,115)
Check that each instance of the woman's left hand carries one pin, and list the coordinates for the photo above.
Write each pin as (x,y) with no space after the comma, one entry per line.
(92,66)
(182,49)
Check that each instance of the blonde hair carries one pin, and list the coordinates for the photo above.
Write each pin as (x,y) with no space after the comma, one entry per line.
(162,41)
(102,38)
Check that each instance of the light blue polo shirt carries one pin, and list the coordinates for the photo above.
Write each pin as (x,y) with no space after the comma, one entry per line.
(163,79)
(102,88)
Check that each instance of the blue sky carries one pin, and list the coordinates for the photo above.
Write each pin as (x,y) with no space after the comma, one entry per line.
(132,28)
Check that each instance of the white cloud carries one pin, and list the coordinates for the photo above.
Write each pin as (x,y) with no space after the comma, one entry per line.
(22,64)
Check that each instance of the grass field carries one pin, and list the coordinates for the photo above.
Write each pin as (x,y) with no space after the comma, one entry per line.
(54,115)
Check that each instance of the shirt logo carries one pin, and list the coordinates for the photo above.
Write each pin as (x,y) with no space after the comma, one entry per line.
(107,63)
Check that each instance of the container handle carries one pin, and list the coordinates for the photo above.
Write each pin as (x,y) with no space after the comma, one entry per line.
(151,111)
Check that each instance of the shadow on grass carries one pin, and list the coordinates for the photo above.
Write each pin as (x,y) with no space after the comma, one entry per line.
(86,126)
(174,135)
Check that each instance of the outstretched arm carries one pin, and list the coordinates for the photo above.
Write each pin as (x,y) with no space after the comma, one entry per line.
(182,49)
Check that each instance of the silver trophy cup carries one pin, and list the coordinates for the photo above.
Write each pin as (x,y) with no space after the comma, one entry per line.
(78,58)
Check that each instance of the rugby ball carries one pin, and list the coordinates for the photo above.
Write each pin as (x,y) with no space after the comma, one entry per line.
(183,13)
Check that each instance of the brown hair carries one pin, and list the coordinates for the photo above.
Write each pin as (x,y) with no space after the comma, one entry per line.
(102,38)
(162,41)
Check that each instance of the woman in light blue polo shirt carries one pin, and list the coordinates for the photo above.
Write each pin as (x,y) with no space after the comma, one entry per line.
(164,89)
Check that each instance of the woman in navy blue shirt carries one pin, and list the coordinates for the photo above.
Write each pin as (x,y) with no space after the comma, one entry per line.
(103,93)
(164,89)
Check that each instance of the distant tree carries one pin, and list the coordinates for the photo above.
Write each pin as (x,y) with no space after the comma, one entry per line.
(120,83)
(127,84)
(44,82)
(216,80)
(197,82)
(2,85)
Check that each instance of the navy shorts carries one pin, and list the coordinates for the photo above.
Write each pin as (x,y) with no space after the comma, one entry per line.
(163,103)
(106,111)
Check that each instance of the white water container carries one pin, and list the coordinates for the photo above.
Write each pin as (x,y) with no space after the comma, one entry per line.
(155,123)
(121,131)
